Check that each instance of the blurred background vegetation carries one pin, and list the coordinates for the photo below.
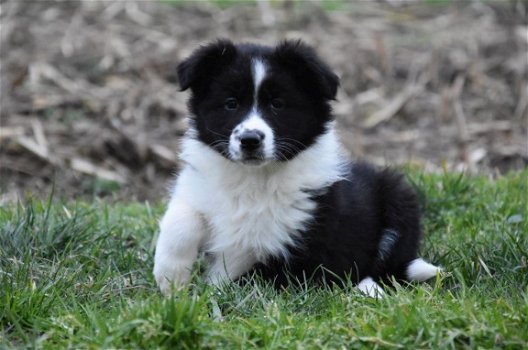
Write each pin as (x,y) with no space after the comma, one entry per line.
(90,103)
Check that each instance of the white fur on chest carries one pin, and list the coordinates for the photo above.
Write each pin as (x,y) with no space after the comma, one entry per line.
(255,211)
(256,214)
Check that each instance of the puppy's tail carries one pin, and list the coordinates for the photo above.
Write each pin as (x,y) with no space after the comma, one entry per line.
(420,270)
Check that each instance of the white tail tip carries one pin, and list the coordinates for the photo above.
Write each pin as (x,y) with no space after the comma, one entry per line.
(420,270)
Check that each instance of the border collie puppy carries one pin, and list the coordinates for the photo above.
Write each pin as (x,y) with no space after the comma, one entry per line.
(265,186)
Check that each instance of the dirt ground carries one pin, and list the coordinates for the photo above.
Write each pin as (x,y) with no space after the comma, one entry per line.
(89,100)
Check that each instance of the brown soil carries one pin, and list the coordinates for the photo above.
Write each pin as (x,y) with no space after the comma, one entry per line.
(89,100)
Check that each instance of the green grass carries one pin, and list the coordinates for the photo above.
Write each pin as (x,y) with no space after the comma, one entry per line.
(79,276)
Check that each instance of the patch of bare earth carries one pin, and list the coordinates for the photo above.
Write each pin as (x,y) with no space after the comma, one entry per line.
(89,100)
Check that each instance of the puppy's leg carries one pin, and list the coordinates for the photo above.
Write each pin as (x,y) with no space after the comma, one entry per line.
(181,233)
(370,288)
(229,266)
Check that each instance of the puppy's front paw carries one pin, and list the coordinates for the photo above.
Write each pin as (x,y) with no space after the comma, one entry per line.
(171,275)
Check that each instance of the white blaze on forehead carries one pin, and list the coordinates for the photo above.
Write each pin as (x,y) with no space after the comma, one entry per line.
(259,72)
(254,120)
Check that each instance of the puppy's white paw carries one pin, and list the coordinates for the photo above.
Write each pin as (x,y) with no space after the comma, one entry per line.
(171,276)
(181,231)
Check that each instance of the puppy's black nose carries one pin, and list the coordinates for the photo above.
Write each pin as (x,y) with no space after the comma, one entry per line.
(250,140)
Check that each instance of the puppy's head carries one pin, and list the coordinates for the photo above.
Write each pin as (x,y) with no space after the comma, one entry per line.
(256,104)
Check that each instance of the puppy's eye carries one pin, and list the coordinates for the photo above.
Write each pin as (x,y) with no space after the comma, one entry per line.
(231,104)
(277,103)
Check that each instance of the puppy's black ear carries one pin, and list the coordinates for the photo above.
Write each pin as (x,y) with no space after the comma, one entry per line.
(308,67)
(204,62)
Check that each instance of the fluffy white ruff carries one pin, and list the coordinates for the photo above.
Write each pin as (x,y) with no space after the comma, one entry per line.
(246,213)
(420,270)
(251,207)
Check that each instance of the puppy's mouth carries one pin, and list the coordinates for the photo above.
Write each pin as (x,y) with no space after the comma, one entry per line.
(249,157)
(253,158)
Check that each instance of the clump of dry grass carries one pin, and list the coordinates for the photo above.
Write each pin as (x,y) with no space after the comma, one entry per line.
(89,101)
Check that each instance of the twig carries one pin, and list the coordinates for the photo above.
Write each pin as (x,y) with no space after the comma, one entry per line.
(10,132)
(368,96)
(521,110)
(79,88)
(86,167)
(40,137)
(266,13)
(499,125)
(392,107)
(460,119)
(164,153)
(40,151)
(135,14)
(67,45)
(381,49)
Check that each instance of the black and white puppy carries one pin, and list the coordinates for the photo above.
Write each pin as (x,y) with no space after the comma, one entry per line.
(265,186)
